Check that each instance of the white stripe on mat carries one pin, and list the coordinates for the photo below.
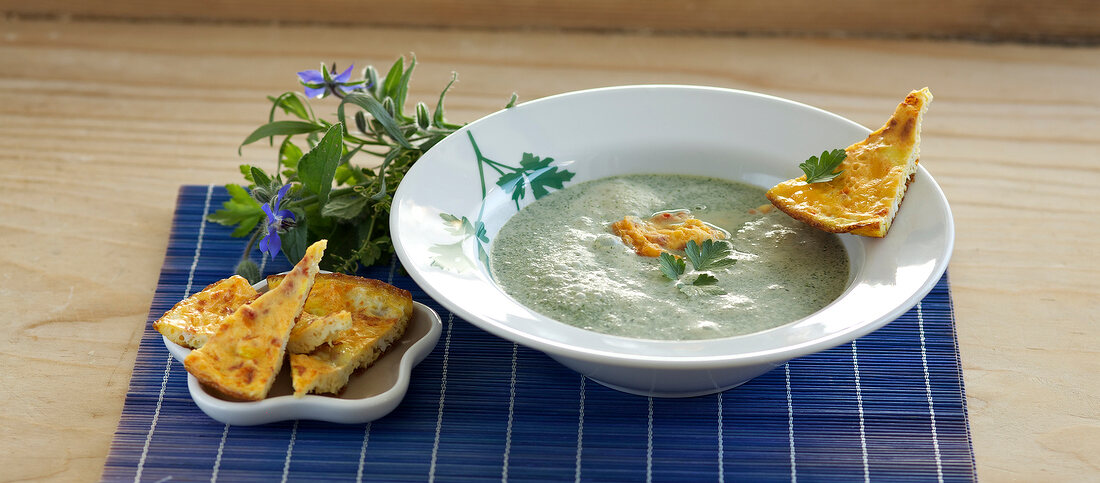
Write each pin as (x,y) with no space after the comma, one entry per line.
(225,431)
(363,453)
(511,408)
(928,392)
(580,434)
(290,450)
(649,443)
(859,405)
(721,444)
(168,362)
(366,428)
(442,397)
(790,420)
(218,459)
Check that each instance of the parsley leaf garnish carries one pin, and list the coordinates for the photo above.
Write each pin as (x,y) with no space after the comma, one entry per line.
(710,255)
(672,266)
(821,169)
(704,284)
(704,279)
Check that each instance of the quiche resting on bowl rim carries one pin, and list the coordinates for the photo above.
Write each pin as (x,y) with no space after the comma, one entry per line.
(864,198)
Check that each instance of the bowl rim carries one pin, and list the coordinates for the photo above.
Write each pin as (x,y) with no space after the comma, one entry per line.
(556,348)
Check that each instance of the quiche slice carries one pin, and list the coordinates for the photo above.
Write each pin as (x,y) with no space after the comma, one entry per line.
(310,331)
(864,198)
(380,313)
(244,354)
(192,321)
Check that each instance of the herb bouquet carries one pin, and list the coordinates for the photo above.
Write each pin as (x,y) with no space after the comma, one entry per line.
(315,191)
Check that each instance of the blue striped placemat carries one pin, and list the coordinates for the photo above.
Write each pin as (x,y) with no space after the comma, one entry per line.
(888,407)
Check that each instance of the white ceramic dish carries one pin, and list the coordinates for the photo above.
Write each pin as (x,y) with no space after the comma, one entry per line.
(370,394)
(449,208)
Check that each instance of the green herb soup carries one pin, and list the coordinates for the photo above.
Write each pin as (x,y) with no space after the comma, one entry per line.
(560,257)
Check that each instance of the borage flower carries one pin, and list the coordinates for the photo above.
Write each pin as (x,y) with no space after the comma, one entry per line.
(277,221)
(320,83)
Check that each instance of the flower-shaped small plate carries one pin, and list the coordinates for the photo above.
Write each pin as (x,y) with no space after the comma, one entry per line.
(370,394)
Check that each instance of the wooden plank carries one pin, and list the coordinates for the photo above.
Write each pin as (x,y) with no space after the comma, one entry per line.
(102,122)
(1064,20)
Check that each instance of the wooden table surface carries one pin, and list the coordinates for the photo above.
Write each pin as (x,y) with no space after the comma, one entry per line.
(102,121)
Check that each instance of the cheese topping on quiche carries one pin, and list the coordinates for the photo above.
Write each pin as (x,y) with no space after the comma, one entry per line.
(664,232)
(193,320)
(865,197)
(243,356)
(380,313)
(310,331)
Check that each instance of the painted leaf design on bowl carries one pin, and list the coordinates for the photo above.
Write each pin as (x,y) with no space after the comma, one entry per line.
(535,175)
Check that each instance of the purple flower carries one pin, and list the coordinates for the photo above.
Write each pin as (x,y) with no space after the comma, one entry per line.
(276,220)
(318,84)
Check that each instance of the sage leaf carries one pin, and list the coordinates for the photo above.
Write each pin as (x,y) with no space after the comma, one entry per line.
(437,117)
(403,90)
(281,128)
(379,113)
(289,154)
(317,168)
(295,241)
(259,177)
(291,103)
(344,207)
(393,77)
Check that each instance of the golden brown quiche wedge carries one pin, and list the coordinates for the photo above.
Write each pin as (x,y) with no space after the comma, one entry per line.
(865,197)
(310,331)
(243,356)
(193,320)
(380,314)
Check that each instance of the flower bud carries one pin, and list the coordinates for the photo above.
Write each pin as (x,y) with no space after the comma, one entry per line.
(361,121)
(249,270)
(261,194)
(371,76)
(423,117)
(387,103)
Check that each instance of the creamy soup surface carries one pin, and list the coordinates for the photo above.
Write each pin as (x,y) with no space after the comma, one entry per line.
(559,257)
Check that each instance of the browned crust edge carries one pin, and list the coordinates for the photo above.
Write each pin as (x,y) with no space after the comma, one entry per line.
(157,324)
(177,304)
(875,223)
(356,280)
(190,363)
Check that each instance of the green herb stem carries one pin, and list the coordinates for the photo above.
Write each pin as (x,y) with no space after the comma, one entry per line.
(323,171)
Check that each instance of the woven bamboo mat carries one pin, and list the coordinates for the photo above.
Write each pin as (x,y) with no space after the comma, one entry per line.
(887,407)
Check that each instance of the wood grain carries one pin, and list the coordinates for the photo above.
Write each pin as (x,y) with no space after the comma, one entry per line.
(102,122)
(1060,20)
